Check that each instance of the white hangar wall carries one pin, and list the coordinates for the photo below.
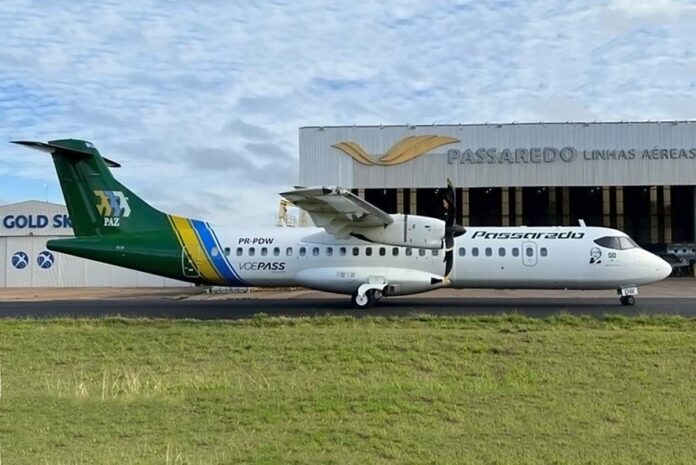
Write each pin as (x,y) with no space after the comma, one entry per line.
(25,261)
(501,155)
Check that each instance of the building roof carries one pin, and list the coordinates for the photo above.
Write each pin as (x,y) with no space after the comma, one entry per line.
(512,123)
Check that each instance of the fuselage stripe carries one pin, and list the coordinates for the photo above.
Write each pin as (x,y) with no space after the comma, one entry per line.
(224,256)
(196,250)
(181,243)
(217,258)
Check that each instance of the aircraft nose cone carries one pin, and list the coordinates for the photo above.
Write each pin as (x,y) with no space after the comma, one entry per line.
(662,268)
(665,268)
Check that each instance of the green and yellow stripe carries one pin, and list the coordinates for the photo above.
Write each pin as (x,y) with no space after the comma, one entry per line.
(192,244)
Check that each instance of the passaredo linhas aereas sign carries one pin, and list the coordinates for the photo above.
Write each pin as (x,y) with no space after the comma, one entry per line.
(566,154)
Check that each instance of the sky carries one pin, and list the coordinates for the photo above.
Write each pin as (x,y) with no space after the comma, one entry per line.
(201,101)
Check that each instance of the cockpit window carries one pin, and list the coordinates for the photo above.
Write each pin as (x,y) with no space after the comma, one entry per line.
(628,243)
(616,242)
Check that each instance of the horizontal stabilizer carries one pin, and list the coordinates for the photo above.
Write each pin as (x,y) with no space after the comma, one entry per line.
(75,148)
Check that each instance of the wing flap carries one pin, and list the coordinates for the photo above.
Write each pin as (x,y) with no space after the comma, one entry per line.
(337,210)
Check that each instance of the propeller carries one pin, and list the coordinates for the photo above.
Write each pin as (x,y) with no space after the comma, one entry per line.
(452,229)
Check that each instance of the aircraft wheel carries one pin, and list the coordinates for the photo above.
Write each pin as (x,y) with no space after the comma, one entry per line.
(364,301)
(628,300)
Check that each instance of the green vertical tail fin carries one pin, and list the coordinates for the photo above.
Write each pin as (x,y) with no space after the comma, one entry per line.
(97,203)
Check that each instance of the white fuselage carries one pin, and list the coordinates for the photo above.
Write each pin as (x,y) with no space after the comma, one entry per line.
(484,257)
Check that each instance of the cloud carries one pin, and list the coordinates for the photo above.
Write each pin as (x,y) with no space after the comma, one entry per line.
(201,101)
(653,9)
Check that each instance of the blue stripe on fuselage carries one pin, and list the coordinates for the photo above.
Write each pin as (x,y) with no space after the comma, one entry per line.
(229,264)
(219,261)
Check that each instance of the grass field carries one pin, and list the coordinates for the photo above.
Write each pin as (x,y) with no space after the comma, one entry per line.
(564,390)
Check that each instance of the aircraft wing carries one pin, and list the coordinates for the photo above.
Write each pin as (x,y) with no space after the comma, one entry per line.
(337,210)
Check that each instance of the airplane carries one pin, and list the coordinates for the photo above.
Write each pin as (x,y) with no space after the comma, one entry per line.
(355,249)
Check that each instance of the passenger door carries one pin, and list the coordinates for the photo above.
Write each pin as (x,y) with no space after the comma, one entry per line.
(529,253)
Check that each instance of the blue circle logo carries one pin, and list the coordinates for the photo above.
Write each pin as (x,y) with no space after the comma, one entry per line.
(45,260)
(20,260)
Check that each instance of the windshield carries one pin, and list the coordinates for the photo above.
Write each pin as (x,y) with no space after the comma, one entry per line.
(616,242)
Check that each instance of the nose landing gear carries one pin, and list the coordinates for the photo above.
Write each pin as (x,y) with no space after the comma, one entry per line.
(627,295)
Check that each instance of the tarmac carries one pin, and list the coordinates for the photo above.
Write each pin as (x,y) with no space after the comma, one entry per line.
(675,296)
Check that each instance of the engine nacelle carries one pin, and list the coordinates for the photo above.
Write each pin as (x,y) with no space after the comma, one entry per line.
(406,231)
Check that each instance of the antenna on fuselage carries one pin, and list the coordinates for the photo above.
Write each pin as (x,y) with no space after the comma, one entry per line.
(582,223)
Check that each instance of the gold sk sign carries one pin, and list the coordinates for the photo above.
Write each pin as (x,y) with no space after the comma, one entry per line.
(406,149)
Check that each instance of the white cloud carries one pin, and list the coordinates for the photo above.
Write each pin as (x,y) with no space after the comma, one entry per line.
(653,8)
(201,101)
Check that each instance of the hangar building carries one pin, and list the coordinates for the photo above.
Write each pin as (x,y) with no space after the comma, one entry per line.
(25,262)
(639,177)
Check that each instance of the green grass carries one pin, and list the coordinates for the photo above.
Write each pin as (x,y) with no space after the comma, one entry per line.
(564,390)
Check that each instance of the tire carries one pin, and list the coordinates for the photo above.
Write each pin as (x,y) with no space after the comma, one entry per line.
(628,300)
(363,302)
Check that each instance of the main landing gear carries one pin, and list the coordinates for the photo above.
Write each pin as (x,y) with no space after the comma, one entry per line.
(366,300)
(367,295)
(627,295)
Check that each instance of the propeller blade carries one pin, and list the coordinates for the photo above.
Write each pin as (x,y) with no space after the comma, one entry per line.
(449,262)
(452,230)
(456,230)
(450,203)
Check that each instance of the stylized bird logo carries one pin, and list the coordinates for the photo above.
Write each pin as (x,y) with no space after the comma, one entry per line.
(401,152)
(20,260)
(45,260)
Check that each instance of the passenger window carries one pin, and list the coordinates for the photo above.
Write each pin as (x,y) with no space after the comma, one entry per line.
(342,251)
(489,251)
(315,251)
(276,251)
(409,251)
(515,252)
(303,251)
(288,251)
(501,251)
(240,251)
(264,251)
(382,251)
(227,251)
(435,252)
(368,251)
(329,251)
(395,251)
(529,251)
(214,252)
(421,252)
(462,251)
(252,251)
(474,252)
(543,252)
(356,251)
